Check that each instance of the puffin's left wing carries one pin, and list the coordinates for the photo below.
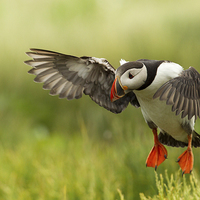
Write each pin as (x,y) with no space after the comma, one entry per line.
(70,77)
(183,93)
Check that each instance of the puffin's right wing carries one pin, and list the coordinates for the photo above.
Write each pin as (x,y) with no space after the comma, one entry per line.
(183,93)
(69,77)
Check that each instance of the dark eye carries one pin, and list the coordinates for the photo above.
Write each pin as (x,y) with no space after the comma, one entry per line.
(130,76)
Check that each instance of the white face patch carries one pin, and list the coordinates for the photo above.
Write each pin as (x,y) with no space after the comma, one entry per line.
(134,78)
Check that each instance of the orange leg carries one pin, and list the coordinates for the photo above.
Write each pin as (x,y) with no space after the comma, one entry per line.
(186,159)
(158,153)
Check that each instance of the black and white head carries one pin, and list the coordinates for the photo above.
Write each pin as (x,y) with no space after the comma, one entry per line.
(136,75)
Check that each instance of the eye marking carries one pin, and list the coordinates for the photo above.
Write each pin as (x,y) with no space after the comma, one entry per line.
(130,76)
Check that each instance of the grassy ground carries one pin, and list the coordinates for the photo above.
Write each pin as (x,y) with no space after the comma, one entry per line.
(175,187)
(55,149)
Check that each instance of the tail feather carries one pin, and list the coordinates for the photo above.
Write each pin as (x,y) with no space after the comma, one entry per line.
(195,139)
(168,140)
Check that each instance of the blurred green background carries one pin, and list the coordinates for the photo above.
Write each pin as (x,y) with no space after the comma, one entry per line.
(58,149)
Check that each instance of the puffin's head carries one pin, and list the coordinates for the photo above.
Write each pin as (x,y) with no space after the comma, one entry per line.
(129,76)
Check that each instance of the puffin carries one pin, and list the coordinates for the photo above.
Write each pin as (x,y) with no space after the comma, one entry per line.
(168,95)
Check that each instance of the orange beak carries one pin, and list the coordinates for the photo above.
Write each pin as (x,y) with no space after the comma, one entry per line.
(117,90)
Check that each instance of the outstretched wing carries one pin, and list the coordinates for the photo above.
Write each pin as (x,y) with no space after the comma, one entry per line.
(183,93)
(69,77)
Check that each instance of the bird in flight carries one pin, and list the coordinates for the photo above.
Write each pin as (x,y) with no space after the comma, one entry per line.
(168,95)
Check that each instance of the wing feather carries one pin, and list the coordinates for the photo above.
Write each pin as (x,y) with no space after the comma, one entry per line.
(183,93)
(165,92)
(70,77)
(170,97)
(52,81)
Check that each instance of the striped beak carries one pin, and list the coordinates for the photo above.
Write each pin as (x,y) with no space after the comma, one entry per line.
(117,90)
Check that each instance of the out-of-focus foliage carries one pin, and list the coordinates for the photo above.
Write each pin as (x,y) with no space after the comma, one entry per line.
(56,149)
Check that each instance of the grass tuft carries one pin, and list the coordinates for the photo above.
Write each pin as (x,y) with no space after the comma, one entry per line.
(175,187)
(120,194)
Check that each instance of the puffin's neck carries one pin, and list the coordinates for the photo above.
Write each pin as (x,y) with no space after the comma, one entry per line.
(165,72)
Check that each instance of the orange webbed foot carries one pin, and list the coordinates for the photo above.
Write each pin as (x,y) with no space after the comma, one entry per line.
(158,153)
(186,159)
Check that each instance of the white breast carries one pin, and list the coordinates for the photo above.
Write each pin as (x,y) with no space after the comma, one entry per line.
(156,110)
(161,114)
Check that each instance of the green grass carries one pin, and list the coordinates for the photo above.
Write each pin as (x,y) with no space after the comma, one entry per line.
(56,149)
(175,187)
